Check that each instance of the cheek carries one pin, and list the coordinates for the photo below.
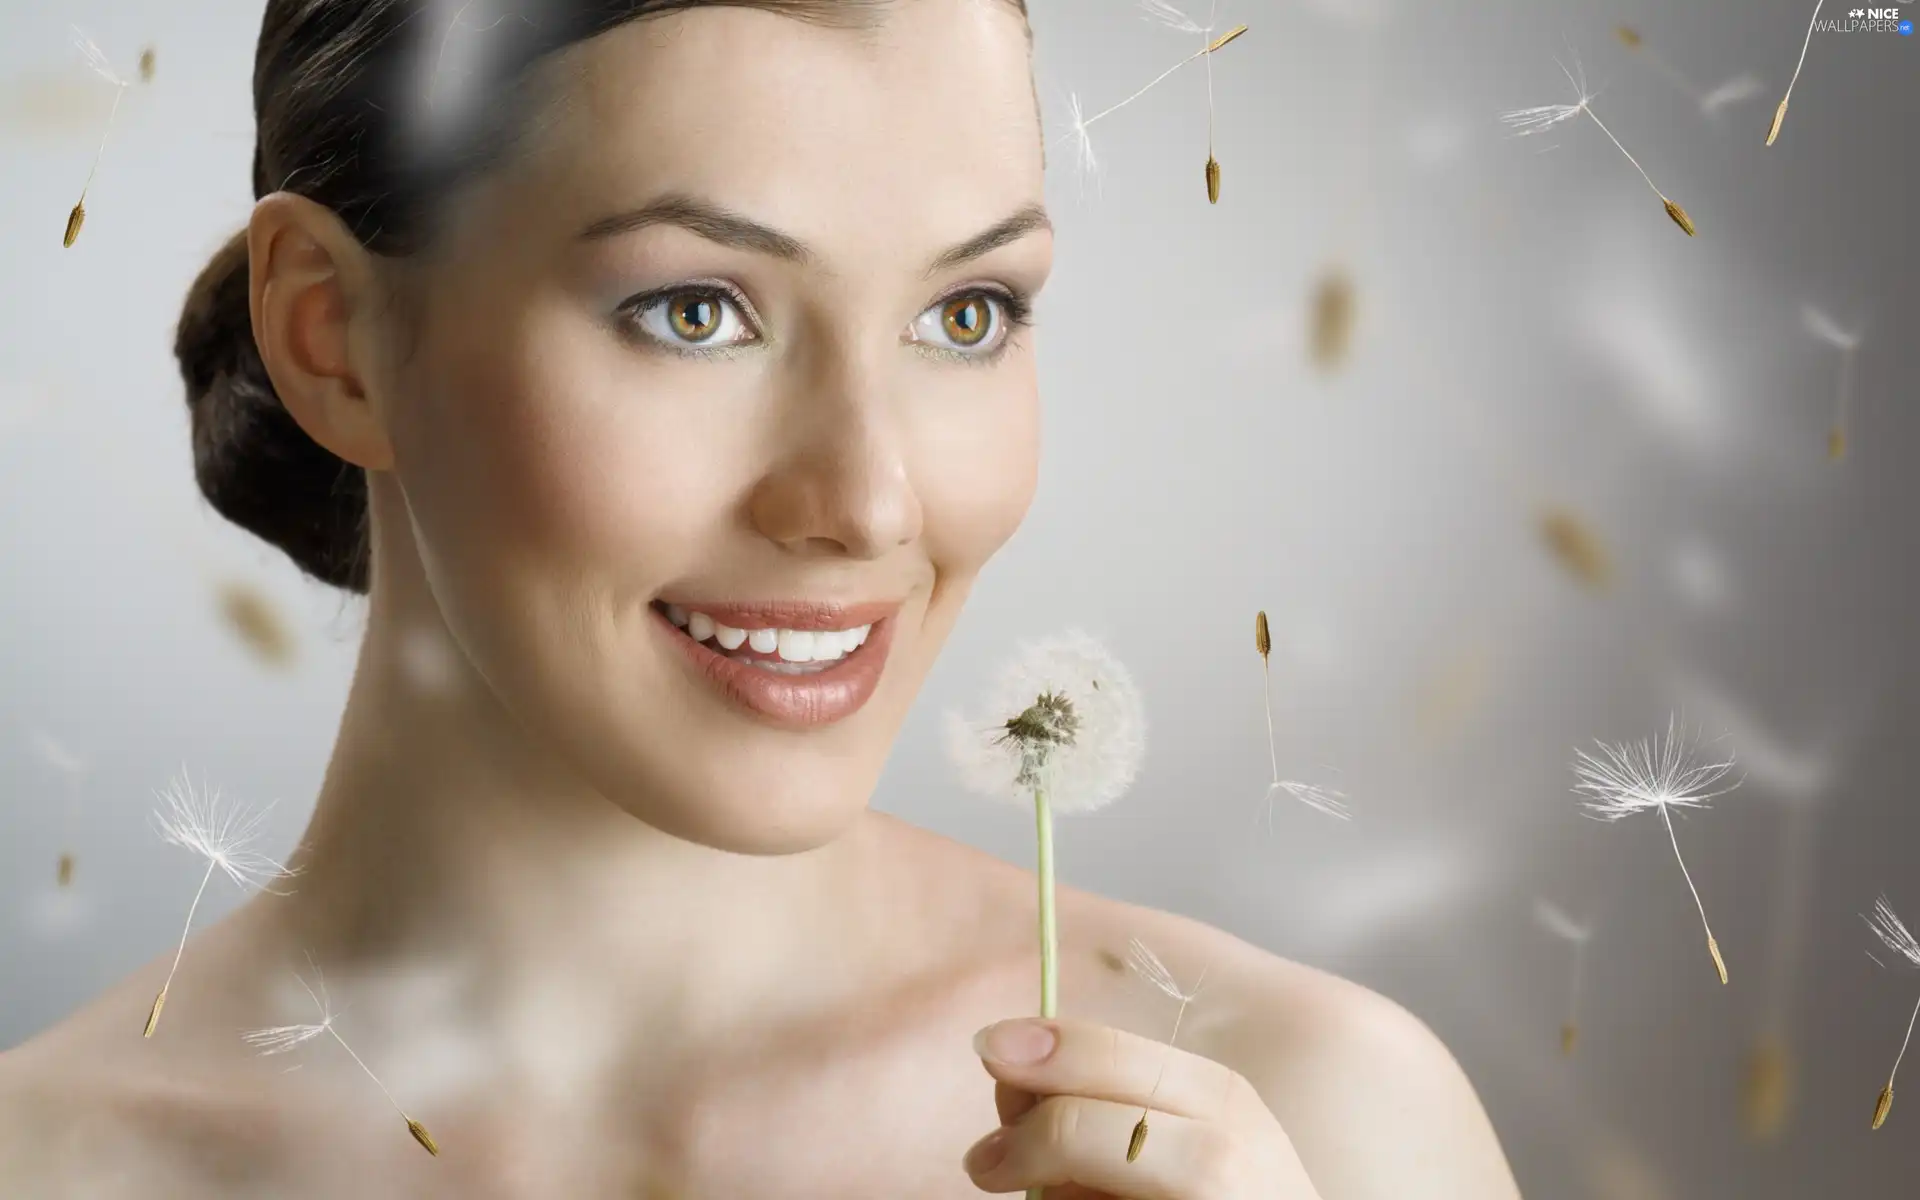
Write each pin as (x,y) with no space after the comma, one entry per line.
(976,465)
(524,456)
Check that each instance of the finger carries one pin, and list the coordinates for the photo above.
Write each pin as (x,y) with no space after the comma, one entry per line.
(1085,1059)
(1011,1102)
(1071,1140)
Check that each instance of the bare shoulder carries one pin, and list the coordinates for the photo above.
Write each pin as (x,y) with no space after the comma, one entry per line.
(1374,1102)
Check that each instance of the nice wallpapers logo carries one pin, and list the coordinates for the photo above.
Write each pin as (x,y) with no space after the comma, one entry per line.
(1868,20)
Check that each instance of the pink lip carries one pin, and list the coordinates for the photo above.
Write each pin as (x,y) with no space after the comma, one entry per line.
(793,701)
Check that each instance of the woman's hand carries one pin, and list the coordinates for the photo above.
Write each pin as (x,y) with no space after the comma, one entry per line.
(1070,1094)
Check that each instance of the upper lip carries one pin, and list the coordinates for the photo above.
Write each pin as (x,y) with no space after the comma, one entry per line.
(798,615)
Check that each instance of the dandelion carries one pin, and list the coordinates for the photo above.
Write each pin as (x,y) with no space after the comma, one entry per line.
(197,820)
(1780,114)
(1330,331)
(1148,966)
(1653,774)
(1172,17)
(1847,342)
(1318,798)
(1543,117)
(279,1039)
(1555,921)
(1073,743)
(1893,934)
(1577,546)
(97,60)
(257,623)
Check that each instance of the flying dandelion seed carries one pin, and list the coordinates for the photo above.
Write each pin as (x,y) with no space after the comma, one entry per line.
(1555,921)
(1578,548)
(1320,799)
(63,873)
(1147,965)
(1847,342)
(1073,743)
(96,59)
(1894,936)
(148,60)
(1734,91)
(1780,114)
(257,623)
(1330,330)
(197,820)
(1766,1089)
(1653,774)
(1541,118)
(1168,15)
(279,1039)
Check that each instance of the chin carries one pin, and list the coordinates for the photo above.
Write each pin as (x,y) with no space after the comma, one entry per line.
(787,811)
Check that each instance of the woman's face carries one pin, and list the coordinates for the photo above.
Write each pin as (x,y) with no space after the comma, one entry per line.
(722,399)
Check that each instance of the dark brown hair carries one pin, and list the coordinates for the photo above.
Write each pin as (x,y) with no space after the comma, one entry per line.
(334,82)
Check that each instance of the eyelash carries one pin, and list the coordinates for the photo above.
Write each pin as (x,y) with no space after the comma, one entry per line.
(1015,308)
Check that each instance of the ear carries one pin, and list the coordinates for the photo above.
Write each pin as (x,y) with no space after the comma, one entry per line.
(312,287)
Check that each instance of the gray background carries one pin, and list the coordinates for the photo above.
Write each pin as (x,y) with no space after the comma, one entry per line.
(1532,330)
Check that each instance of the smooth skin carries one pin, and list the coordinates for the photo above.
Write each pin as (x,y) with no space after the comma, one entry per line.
(604,932)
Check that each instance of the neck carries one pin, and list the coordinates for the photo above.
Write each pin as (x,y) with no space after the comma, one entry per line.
(450,856)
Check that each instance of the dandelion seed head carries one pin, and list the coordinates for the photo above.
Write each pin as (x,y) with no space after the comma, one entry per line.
(1660,772)
(1147,965)
(1066,716)
(1828,330)
(1559,923)
(96,58)
(1542,117)
(196,818)
(1892,932)
(1321,799)
(1733,91)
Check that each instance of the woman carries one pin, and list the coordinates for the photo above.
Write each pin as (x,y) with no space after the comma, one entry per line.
(671,358)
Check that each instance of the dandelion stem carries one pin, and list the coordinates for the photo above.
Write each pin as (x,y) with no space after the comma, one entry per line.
(364,1067)
(1713,946)
(1203,52)
(1266,697)
(101,150)
(1049,933)
(1903,1045)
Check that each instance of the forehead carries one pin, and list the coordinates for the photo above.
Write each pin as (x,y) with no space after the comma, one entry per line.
(925,121)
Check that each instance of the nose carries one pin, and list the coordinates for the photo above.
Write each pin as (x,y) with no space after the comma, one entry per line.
(840,484)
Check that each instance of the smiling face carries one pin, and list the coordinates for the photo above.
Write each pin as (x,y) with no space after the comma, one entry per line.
(733,352)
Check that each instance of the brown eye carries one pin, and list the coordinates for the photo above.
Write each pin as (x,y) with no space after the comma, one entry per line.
(693,317)
(968,320)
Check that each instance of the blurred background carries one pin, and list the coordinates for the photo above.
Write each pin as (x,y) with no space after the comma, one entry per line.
(1511,462)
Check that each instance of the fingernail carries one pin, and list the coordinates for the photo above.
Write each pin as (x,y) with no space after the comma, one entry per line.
(987,1152)
(1015,1042)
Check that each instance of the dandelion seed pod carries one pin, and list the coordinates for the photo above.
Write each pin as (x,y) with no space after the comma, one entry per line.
(1883,1106)
(65,871)
(1569,1038)
(1680,218)
(1836,444)
(421,1135)
(1779,115)
(1213,180)
(1577,548)
(1332,320)
(75,220)
(1628,35)
(1262,636)
(1719,964)
(1137,1141)
(153,1016)
(1226,37)
(146,65)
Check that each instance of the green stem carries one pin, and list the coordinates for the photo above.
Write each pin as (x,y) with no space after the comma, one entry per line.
(1049,932)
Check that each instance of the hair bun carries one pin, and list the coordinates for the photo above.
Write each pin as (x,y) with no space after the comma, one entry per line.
(254,463)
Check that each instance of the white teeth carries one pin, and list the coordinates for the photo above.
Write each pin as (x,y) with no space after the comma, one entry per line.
(796,645)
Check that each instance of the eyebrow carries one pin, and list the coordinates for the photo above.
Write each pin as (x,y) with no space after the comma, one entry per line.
(726,227)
